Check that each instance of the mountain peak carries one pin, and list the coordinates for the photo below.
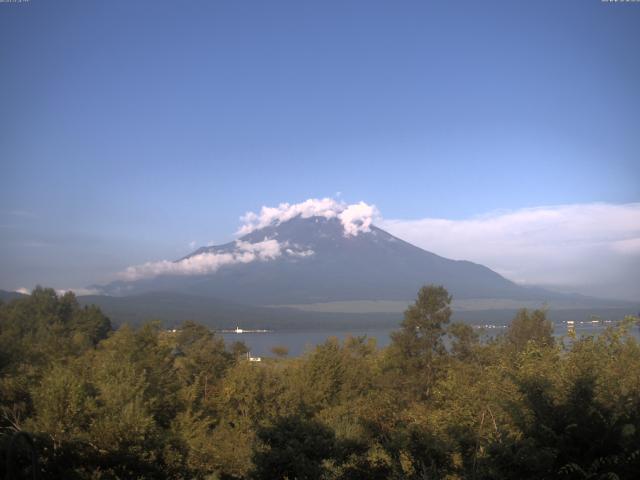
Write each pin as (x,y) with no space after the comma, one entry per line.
(354,218)
(308,230)
(302,237)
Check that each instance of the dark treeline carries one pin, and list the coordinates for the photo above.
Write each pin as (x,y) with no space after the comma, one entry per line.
(146,403)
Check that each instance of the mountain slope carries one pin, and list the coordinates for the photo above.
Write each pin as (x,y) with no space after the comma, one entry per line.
(317,262)
(6,296)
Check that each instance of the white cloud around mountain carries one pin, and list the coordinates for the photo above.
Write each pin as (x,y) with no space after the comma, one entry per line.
(210,262)
(207,262)
(355,218)
(79,291)
(565,245)
(62,291)
(595,246)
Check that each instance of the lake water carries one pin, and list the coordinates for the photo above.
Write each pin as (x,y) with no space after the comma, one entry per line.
(298,342)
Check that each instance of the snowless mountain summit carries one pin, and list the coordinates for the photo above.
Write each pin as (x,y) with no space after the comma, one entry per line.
(316,251)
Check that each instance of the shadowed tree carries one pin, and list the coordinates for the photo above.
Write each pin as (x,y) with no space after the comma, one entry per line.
(293,448)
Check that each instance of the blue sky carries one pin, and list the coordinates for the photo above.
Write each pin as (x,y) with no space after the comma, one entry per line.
(130,128)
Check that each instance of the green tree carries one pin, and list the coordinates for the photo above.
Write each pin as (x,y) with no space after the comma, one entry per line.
(530,327)
(200,361)
(280,351)
(417,348)
(323,375)
(63,405)
(464,340)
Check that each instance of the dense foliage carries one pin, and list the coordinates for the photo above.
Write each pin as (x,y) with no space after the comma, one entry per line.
(437,403)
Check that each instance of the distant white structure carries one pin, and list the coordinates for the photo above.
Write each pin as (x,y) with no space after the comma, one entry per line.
(253,359)
(571,327)
(245,330)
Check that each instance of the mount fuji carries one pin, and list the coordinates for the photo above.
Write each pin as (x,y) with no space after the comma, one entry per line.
(314,260)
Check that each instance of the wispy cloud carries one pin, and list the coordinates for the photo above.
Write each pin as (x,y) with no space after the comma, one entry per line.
(21,213)
(79,291)
(553,245)
(62,291)
(299,253)
(207,262)
(34,244)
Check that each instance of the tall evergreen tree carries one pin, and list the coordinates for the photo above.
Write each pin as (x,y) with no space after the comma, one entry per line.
(418,347)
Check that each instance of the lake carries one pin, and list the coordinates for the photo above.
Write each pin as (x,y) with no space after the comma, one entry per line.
(298,342)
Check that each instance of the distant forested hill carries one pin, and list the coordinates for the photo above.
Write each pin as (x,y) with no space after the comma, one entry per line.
(174,308)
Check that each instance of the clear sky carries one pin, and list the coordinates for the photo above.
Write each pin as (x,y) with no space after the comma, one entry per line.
(129,129)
